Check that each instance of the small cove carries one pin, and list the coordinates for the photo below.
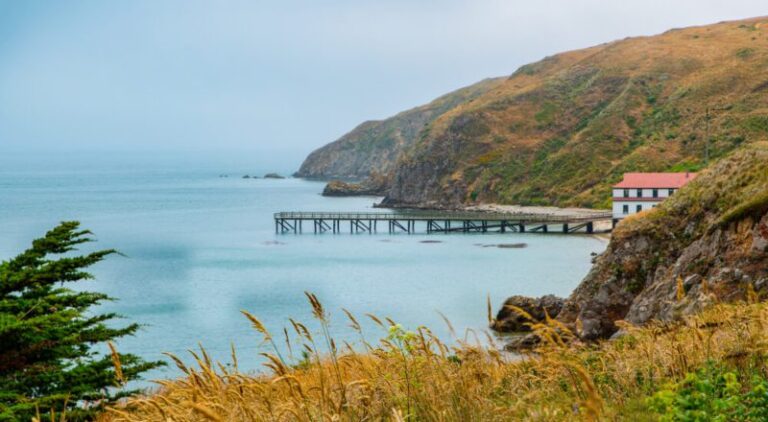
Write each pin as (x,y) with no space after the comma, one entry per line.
(198,248)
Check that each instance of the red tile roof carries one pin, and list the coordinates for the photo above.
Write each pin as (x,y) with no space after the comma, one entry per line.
(655,180)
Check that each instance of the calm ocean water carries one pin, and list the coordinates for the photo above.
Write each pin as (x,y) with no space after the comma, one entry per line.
(199,248)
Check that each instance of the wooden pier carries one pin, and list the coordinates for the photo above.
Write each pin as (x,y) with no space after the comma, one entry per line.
(436,222)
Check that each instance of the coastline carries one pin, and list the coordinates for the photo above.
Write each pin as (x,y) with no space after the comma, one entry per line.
(532,209)
(346,188)
(603,227)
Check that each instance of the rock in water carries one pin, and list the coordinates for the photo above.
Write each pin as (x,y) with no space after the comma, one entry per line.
(339,188)
(509,321)
(511,245)
(273,176)
(375,185)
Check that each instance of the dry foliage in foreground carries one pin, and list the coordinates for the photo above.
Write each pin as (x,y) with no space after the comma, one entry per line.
(415,376)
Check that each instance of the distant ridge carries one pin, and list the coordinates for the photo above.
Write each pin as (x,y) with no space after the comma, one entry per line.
(373,147)
(562,130)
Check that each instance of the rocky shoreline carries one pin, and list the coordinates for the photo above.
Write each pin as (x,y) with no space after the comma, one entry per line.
(707,244)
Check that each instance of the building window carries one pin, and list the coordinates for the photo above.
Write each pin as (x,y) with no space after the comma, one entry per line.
(639,193)
(626,209)
(655,193)
(626,193)
(671,191)
(639,208)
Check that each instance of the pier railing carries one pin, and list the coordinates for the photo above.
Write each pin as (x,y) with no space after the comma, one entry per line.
(443,216)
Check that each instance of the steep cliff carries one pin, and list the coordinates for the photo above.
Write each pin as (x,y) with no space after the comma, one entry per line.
(707,243)
(560,131)
(375,146)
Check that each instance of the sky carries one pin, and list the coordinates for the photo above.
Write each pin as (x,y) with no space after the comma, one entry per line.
(277,78)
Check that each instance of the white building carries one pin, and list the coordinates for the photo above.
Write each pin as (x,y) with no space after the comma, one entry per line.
(643,191)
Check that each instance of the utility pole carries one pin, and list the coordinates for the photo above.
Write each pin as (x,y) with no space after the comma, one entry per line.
(706,140)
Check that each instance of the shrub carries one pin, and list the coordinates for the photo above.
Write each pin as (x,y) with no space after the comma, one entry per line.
(546,114)
(757,124)
(745,53)
(713,393)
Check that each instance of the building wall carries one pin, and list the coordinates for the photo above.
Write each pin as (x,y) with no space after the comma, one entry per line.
(647,193)
(618,207)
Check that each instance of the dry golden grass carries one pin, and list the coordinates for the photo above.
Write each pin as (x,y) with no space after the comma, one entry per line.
(415,376)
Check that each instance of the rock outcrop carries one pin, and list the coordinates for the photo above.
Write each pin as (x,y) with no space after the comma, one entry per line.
(511,320)
(707,243)
(365,188)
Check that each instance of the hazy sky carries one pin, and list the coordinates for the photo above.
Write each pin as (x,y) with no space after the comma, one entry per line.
(285,75)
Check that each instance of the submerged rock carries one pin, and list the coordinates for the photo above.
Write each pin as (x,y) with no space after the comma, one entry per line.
(509,321)
(512,245)
(503,245)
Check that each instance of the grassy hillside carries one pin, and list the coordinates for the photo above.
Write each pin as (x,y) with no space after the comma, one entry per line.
(562,130)
(374,146)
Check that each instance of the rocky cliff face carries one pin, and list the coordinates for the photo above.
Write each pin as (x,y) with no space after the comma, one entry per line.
(707,243)
(375,146)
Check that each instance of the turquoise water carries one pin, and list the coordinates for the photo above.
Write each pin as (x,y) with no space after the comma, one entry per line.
(199,248)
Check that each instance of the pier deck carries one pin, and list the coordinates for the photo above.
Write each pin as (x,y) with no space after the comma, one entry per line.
(438,222)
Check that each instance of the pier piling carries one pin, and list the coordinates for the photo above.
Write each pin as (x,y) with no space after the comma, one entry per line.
(439,222)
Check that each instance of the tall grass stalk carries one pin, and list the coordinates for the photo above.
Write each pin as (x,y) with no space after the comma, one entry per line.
(410,376)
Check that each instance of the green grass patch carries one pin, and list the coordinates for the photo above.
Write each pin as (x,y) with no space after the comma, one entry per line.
(755,206)
(684,166)
(745,53)
(748,28)
(757,124)
(546,114)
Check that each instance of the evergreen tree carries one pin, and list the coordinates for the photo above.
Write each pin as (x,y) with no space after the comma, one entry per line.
(52,343)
